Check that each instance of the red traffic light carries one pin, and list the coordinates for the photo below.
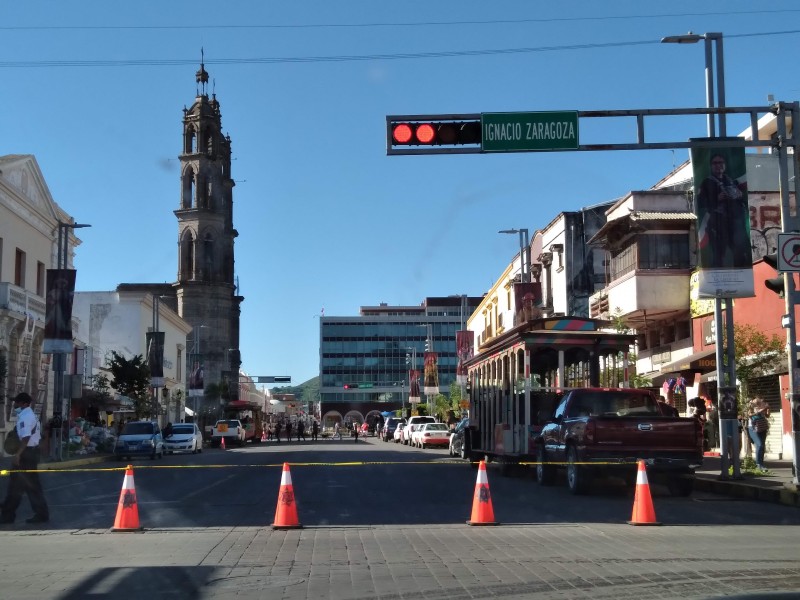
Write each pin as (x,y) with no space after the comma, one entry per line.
(435,133)
(402,133)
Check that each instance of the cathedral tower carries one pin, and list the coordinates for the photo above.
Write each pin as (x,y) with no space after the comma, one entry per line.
(207,295)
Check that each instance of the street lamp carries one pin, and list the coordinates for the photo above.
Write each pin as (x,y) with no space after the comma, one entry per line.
(524,263)
(715,39)
(726,370)
(59,358)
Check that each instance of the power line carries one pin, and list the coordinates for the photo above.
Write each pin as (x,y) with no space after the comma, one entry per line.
(377,24)
(161,62)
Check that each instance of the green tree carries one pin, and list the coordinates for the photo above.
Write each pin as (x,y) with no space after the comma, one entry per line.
(131,378)
(757,354)
(441,406)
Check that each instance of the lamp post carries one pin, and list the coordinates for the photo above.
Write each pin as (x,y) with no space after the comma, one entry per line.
(726,369)
(524,259)
(59,359)
(195,393)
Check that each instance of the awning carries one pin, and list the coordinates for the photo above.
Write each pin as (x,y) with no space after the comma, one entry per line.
(699,361)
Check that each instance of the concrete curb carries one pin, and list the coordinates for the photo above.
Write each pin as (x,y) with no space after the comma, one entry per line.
(779,494)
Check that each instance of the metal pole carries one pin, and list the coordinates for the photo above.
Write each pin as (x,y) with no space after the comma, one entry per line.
(58,366)
(789,224)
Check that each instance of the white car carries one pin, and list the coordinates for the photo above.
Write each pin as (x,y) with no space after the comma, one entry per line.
(431,434)
(413,424)
(397,436)
(185,437)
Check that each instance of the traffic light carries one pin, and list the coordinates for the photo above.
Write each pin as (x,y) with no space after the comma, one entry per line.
(433,134)
(350,386)
(776,284)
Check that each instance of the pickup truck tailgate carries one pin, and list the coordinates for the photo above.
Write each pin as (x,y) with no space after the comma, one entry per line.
(651,435)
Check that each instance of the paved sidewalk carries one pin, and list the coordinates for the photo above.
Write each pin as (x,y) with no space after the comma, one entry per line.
(774,486)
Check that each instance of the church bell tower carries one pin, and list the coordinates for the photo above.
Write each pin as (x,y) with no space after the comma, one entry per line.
(207,295)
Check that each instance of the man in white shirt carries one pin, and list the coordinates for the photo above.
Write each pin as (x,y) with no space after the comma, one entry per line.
(23,478)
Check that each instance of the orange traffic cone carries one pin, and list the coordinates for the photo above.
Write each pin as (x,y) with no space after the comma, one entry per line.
(482,511)
(643,511)
(222,443)
(127,509)
(286,511)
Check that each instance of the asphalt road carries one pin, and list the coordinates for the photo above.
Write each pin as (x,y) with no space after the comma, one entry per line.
(388,521)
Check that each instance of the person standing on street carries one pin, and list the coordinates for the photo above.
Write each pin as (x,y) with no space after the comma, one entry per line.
(314,430)
(337,430)
(289,431)
(355,432)
(301,431)
(757,428)
(24,479)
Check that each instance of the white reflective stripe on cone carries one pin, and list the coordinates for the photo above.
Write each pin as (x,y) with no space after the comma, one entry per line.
(641,477)
(482,476)
(127,483)
(286,477)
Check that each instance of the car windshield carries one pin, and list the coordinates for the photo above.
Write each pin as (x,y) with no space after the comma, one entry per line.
(436,427)
(138,429)
(183,429)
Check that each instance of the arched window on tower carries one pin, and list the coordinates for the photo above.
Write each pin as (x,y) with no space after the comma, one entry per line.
(186,257)
(187,189)
(208,258)
(190,140)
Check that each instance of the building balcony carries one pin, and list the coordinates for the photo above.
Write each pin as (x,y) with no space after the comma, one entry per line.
(641,294)
(19,300)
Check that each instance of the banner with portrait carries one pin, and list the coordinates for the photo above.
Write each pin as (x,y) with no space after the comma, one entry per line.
(527,300)
(58,311)
(196,387)
(155,357)
(414,397)
(465,349)
(431,375)
(724,252)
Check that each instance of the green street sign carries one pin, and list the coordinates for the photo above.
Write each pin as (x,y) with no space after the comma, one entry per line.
(529,131)
(365,385)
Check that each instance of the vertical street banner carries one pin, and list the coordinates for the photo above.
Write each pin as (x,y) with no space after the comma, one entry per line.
(527,300)
(155,357)
(58,311)
(724,253)
(431,376)
(196,386)
(465,349)
(414,396)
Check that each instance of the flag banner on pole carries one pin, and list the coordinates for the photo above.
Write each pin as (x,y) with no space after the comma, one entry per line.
(196,380)
(465,349)
(724,253)
(155,357)
(58,311)
(431,377)
(527,300)
(414,397)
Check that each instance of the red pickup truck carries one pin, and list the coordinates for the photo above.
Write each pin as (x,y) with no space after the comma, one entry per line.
(603,431)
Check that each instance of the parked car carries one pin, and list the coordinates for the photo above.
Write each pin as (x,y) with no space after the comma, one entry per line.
(231,430)
(397,436)
(414,423)
(459,444)
(389,427)
(431,434)
(185,437)
(139,438)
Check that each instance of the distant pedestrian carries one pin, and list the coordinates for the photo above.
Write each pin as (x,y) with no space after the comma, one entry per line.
(757,428)
(667,407)
(337,430)
(289,431)
(278,432)
(355,432)
(24,479)
(301,431)
(314,430)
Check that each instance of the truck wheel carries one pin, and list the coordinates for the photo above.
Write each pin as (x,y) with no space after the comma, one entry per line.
(545,472)
(577,476)
(681,486)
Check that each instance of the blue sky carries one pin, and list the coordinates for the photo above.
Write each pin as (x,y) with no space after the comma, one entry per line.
(325,218)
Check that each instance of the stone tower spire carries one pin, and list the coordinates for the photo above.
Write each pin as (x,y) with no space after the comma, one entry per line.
(206,291)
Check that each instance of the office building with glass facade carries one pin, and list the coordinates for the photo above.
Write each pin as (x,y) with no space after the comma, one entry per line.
(365,359)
